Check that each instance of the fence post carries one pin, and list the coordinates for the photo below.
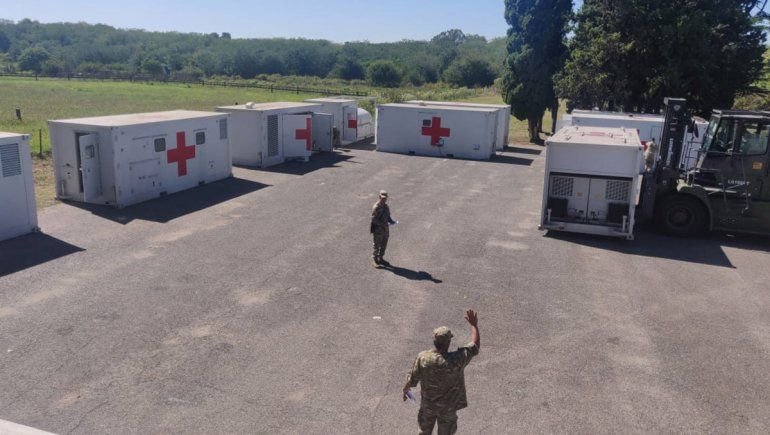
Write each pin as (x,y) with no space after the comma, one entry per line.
(40,142)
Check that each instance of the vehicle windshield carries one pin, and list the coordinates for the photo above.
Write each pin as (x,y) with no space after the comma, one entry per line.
(710,131)
(721,140)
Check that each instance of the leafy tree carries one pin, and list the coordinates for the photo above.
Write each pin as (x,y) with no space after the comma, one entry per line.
(33,58)
(348,68)
(536,52)
(631,54)
(152,66)
(384,73)
(470,72)
(5,42)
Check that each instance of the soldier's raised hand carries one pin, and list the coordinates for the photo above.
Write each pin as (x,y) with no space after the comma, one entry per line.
(472,317)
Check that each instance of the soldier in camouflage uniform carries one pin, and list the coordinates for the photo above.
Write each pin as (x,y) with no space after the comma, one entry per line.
(380,229)
(443,382)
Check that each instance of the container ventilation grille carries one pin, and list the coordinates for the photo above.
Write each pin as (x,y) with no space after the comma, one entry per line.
(11,160)
(562,186)
(223,129)
(618,190)
(272,135)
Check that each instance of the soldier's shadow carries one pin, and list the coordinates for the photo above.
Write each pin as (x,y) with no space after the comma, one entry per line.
(413,274)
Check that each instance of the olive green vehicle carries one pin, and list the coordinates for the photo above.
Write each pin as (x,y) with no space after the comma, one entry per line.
(729,187)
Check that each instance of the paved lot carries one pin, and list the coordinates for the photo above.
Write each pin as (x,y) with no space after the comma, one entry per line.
(250,306)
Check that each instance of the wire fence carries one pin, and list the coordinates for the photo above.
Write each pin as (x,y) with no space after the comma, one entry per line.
(182,78)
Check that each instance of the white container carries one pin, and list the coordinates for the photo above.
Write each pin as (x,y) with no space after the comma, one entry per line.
(365,125)
(592,181)
(18,212)
(126,159)
(345,113)
(267,134)
(649,127)
(503,117)
(439,131)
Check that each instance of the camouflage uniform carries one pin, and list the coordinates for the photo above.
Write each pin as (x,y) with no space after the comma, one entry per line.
(443,386)
(380,230)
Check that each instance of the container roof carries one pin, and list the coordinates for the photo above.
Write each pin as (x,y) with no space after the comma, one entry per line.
(597,136)
(457,103)
(616,115)
(139,118)
(330,100)
(5,135)
(439,107)
(271,106)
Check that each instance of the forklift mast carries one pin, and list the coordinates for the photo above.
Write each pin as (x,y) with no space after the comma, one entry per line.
(666,172)
(675,125)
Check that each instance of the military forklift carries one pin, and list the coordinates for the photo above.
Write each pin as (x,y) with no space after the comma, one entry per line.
(728,189)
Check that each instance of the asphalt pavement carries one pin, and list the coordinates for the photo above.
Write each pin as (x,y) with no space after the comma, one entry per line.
(250,306)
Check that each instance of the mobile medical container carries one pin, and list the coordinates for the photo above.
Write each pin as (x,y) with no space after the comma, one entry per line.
(440,131)
(268,134)
(345,113)
(649,127)
(125,159)
(18,212)
(503,116)
(365,124)
(592,181)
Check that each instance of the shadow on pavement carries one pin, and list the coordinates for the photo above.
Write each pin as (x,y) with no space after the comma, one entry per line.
(511,160)
(317,161)
(364,145)
(176,205)
(520,150)
(32,250)
(412,274)
(704,250)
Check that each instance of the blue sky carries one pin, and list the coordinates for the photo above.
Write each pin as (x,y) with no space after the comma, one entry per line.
(336,20)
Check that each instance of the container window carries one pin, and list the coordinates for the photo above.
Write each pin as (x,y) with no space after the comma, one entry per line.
(272,135)
(200,138)
(10,159)
(160,144)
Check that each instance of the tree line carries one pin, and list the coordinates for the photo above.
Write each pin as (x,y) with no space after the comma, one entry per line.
(453,57)
(628,55)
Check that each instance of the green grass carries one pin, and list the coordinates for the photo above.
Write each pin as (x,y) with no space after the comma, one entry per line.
(45,99)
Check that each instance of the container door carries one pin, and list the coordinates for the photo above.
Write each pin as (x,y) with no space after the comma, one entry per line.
(297,136)
(350,124)
(322,132)
(90,167)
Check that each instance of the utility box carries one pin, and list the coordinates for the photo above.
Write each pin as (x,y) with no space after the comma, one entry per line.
(503,116)
(126,159)
(592,181)
(18,212)
(345,113)
(267,134)
(437,131)
(649,127)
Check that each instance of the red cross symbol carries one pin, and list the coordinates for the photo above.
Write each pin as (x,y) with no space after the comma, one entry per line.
(306,134)
(435,131)
(181,154)
(352,122)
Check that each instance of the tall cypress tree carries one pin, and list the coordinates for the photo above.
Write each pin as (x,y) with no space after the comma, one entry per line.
(631,54)
(536,52)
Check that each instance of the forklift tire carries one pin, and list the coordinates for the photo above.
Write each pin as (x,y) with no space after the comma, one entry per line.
(681,216)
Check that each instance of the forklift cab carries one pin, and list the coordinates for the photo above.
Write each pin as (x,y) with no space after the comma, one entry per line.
(734,156)
(734,168)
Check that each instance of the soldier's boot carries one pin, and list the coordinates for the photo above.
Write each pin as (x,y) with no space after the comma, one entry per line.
(376,264)
(384,263)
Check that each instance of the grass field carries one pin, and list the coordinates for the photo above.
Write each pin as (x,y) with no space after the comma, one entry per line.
(45,99)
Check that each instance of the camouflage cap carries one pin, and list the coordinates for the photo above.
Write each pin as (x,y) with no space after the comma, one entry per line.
(442,334)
